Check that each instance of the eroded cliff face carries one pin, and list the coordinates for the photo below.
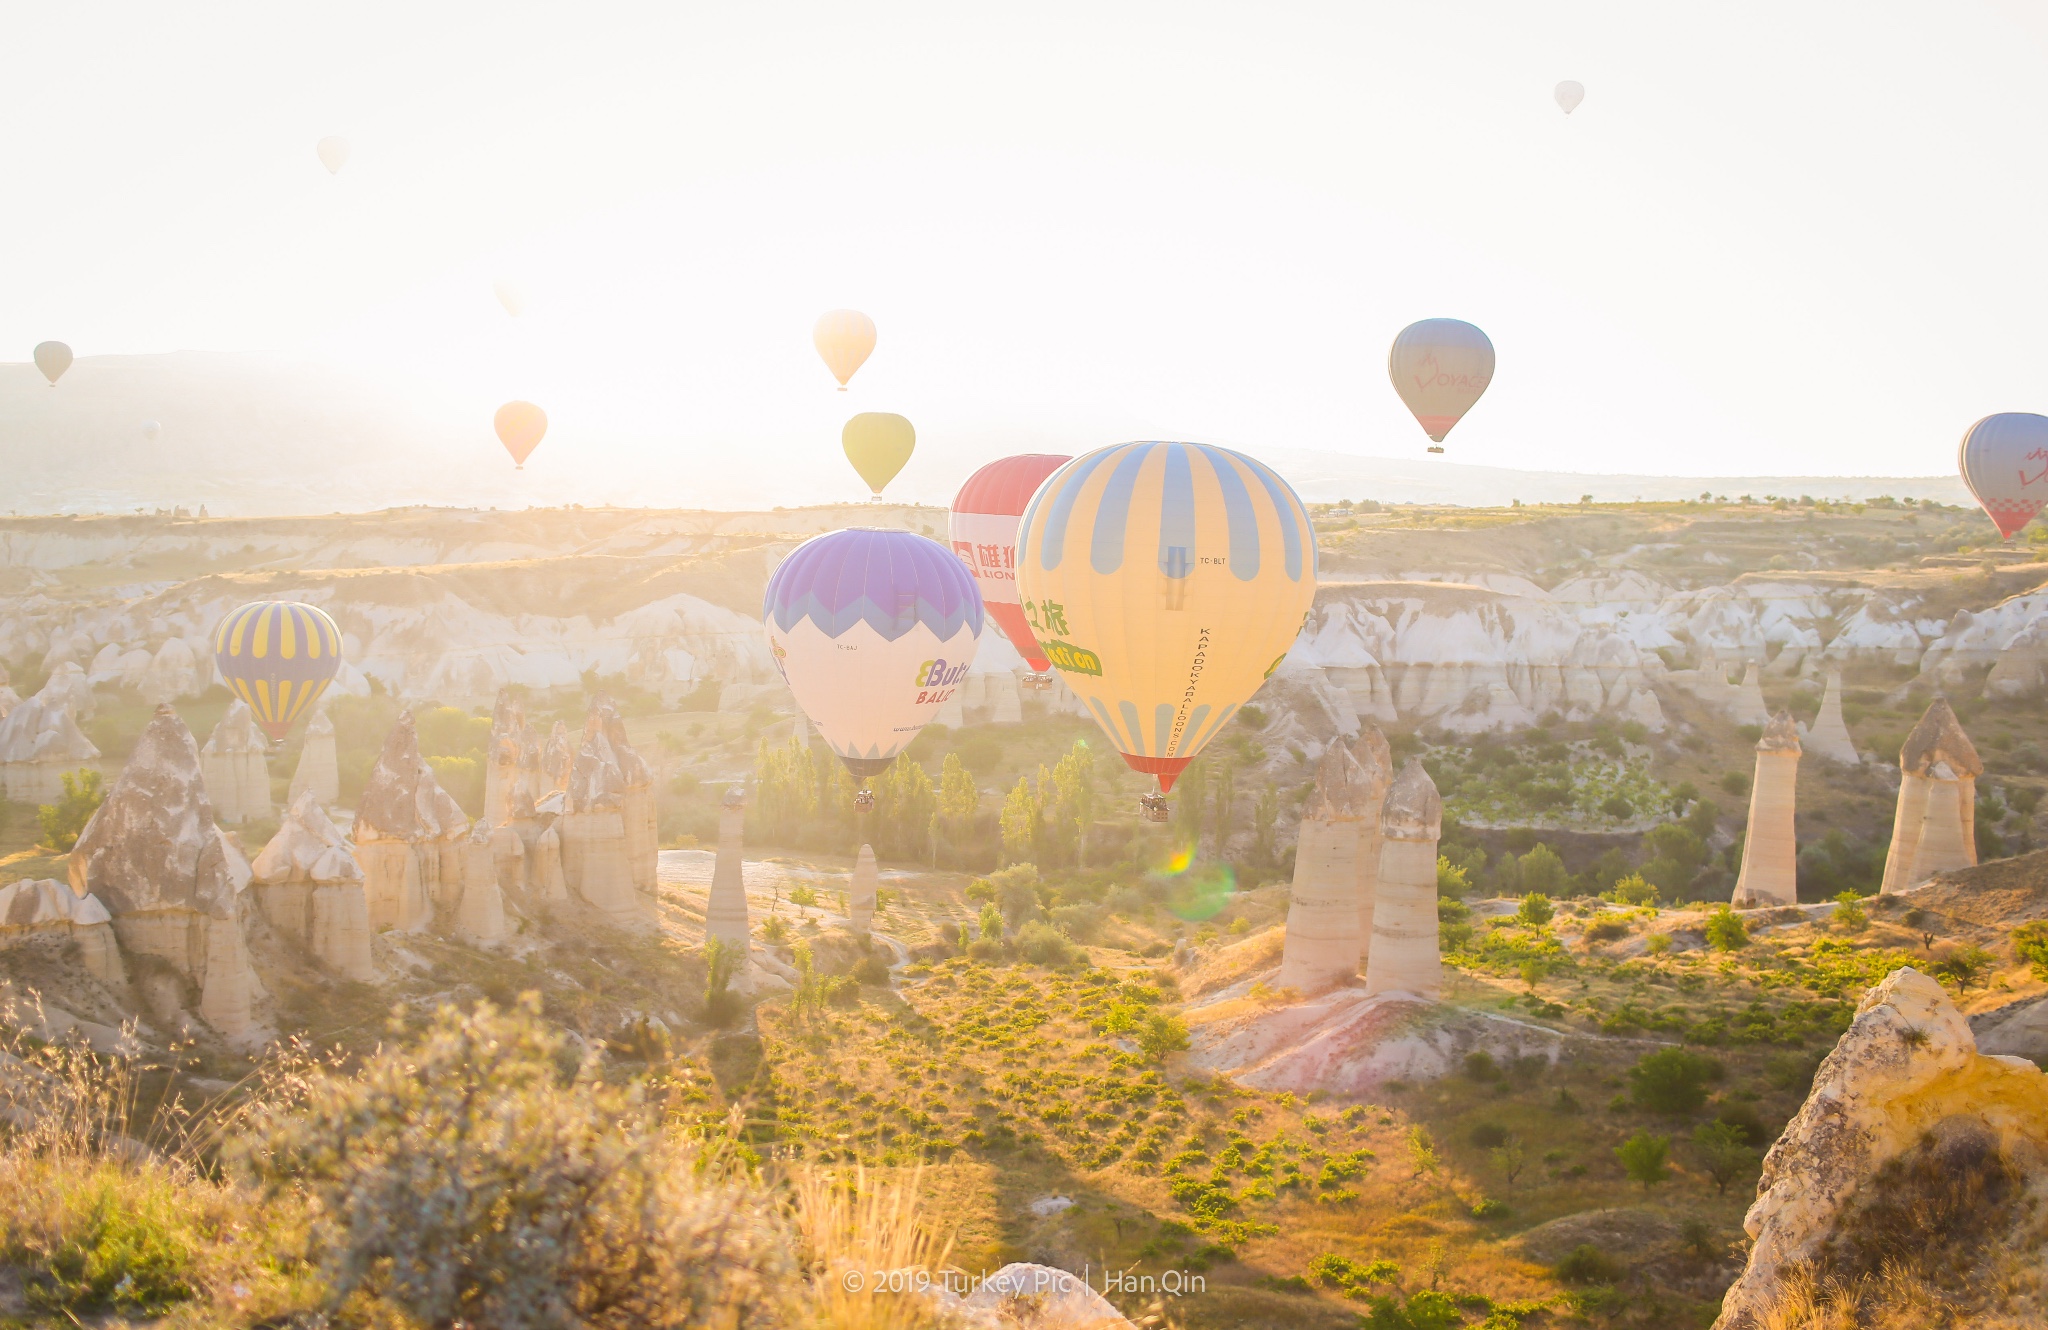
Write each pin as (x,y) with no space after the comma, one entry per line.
(1903,1177)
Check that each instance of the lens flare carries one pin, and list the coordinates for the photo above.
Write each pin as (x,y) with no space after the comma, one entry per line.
(1195,889)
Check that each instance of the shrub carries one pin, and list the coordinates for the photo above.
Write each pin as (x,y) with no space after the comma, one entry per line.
(1543,872)
(1536,909)
(1606,926)
(62,821)
(1672,1080)
(470,1179)
(1643,1157)
(1724,1152)
(1042,944)
(1848,912)
(1618,808)
(871,970)
(774,930)
(991,923)
(720,960)
(1658,943)
(1735,783)
(1451,879)
(1162,1034)
(1587,1264)
(1725,930)
(2029,944)
(1488,1135)
(1631,890)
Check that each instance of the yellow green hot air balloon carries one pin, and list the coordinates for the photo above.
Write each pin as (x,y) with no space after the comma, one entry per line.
(878,444)
(1165,581)
(278,656)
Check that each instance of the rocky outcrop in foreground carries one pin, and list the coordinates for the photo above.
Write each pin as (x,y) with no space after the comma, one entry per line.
(1911,1141)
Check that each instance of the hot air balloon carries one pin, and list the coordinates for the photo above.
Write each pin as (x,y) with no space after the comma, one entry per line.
(333,152)
(151,431)
(278,656)
(1166,582)
(520,427)
(872,629)
(1569,94)
(53,358)
(510,296)
(1440,367)
(984,530)
(844,338)
(2004,461)
(878,444)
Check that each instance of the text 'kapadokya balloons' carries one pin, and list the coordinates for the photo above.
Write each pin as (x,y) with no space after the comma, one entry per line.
(2004,461)
(844,338)
(53,358)
(1569,94)
(334,153)
(872,630)
(984,521)
(520,426)
(1440,367)
(1165,582)
(278,656)
(878,443)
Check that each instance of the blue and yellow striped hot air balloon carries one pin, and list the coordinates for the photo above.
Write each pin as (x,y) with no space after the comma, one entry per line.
(1165,581)
(278,656)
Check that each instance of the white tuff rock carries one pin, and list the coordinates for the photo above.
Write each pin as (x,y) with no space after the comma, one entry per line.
(1770,851)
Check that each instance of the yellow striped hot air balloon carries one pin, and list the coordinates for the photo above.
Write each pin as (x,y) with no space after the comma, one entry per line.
(278,656)
(1165,581)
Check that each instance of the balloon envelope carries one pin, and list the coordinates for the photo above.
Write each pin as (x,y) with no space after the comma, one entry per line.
(844,338)
(1440,367)
(2004,461)
(510,296)
(872,630)
(878,444)
(984,521)
(278,656)
(1165,581)
(1569,94)
(151,430)
(520,426)
(333,152)
(53,358)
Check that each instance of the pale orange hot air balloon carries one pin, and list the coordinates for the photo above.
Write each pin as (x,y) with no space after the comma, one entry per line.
(520,428)
(845,338)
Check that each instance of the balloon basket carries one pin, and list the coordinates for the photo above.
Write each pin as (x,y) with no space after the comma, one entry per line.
(1154,808)
(864,801)
(1038,682)
(1436,448)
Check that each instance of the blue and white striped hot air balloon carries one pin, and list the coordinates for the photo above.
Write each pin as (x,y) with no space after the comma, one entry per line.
(872,630)
(1165,581)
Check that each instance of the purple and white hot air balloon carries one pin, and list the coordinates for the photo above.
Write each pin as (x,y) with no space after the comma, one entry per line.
(873,630)
(2004,461)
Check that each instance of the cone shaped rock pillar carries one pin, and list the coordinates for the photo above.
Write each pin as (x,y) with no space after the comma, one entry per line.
(1829,737)
(867,874)
(1770,850)
(1403,956)
(725,914)
(1322,943)
(1377,758)
(1935,826)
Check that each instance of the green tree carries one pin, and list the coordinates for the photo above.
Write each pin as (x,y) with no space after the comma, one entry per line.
(1672,1080)
(905,803)
(720,960)
(1848,912)
(991,923)
(1451,879)
(1644,1158)
(63,821)
(1422,1150)
(1535,909)
(959,799)
(1725,930)
(1724,1152)
(1631,890)
(1965,965)
(1023,821)
(2030,944)
(1543,872)
(1510,1158)
(1162,1034)
(1074,802)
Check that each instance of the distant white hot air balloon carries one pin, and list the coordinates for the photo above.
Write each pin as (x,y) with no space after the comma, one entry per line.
(333,153)
(152,431)
(1569,94)
(510,296)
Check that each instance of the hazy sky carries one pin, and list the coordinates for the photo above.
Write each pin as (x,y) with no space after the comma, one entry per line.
(1776,238)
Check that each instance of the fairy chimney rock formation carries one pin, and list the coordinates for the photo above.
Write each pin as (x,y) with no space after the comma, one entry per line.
(592,834)
(506,786)
(557,761)
(636,799)
(860,908)
(46,914)
(170,877)
(1376,758)
(235,761)
(1006,702)
(1829,737)
(1770,848)
(725,914)
(480,913)
(1935,826)
(1906,1080)
(175,672)
(1322,944)
(39,742)
(1747,704)
(1402,956)
(310,887)
(407,831)
(318,770)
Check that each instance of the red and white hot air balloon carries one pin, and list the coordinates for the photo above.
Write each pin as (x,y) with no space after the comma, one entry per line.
(2004,461)
(986,514)
(1440,367)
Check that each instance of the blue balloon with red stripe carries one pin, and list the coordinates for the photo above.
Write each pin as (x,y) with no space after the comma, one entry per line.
(278,656)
